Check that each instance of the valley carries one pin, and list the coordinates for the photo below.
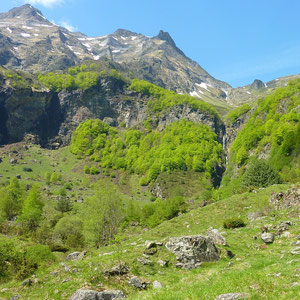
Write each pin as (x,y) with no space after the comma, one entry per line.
(128,171)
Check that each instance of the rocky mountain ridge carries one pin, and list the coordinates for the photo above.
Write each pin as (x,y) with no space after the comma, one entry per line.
(31,43)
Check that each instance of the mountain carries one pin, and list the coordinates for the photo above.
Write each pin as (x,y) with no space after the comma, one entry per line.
(31,43)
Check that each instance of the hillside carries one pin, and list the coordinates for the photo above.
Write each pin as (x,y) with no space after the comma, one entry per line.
(128,171)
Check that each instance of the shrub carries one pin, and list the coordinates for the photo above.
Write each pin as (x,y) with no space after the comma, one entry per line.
(94,171)
(234,223)
(260,174)
(86,170)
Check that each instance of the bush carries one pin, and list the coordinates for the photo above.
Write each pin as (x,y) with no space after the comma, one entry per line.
(234,223)
(260,174)
(86,170)
(94,171)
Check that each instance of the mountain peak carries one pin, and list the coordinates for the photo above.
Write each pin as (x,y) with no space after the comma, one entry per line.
(25,11)
(165,36)
(123,32)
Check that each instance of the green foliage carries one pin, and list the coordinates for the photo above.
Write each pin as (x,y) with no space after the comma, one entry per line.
(181,146)
(163,99)
(32,209)
(274,131)
(94,171)
(234,223)
(63,204)
(236,113)
(260,174)
(11,200)
(102,214)
(86,169)
(69,229)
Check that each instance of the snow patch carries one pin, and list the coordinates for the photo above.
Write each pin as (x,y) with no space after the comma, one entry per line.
(116,51)
(134,38)
(87,45)
(36,34)
(203,85)
(25,34)
(9,30)
(26,27)
(195,94)
(96,57)
(16,48)
(77,53)
(248,92)
(266,85)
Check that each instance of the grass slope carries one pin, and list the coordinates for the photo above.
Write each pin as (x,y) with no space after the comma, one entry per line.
(264,272)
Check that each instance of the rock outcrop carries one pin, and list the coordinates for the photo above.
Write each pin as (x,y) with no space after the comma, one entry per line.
(95,295)
(191,251)
(291,198)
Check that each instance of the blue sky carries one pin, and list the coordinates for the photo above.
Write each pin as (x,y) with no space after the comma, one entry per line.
(236,41)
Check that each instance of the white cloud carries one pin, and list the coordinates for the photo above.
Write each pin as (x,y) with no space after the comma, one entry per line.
(47,3)
(67,25)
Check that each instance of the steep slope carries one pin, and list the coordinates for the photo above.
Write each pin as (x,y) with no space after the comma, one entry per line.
(271,132)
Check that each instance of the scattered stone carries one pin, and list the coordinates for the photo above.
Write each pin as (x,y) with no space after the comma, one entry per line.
(295,251)
(277,274)
(232,296)
(76,256)
(150,244)
(25,169)
(255,215)
(144,261)
(150,251)
(264,229)
(66,280)
(138,283)
(267,237)
(291,198)
(216,236)
(13,161)
(294,284)
(120,269)
(230,254)
(66,268)
(157,285)
(16,297)
(163,263)
(27,282)
(286,234)
(282,227)
(255,237)
(95,295)
(18,176)
(191,251)
(107,253)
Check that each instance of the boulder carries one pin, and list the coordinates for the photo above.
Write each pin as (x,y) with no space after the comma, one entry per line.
(95,295)
(150,244)
(191,251)
(291,198)
(216,236)
(144,261)
(120,269)
(232,296)
(296,251)
(267,237)
(76,256)
(157,285)
(163,263)
(138,283)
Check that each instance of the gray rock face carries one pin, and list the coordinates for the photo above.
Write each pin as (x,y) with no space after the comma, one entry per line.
(94,295)
(232,296)
(191,251)
(216,236)
(267,237)
(76,256)
(138,283)
(291,198)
